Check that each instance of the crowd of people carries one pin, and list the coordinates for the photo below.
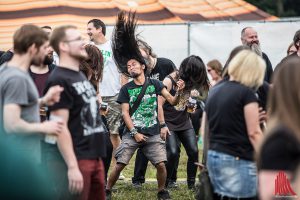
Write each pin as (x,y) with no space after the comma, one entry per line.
(75,109)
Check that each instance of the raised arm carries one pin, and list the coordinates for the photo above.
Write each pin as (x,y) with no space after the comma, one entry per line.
(173,100)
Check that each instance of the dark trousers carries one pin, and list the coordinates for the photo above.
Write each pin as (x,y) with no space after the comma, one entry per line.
(140,167)
(189,141)
(109,152)
(93,177)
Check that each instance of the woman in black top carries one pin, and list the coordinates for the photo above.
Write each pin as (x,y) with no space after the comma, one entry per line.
(234,133)
(280,150)
(192,70)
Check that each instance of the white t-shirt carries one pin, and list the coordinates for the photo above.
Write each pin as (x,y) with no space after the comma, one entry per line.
(111,82)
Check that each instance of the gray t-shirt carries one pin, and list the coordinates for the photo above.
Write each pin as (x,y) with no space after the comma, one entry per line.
(17,87)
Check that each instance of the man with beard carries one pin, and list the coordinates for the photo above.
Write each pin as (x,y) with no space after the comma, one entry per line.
(19,100)
(249,38)
(112,80)
(40,74)
(159,68)
(76,159)
(139,96)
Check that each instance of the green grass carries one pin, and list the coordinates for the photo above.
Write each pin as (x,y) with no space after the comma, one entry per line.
(123,190)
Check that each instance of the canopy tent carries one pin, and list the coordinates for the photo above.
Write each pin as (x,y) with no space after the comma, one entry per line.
(14,13)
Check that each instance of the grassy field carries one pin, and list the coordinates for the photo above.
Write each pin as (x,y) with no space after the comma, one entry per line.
(123,190)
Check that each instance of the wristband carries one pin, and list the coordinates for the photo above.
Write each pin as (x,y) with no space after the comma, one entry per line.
(163,125)
(133,132)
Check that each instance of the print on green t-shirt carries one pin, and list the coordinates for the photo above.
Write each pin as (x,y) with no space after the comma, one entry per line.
(146,114)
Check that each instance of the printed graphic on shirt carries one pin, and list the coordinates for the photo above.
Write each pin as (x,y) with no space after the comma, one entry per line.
(146,114)
(90,119)
(106,56)
(155,76)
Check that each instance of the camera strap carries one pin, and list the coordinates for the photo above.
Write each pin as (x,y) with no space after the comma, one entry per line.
(139,98)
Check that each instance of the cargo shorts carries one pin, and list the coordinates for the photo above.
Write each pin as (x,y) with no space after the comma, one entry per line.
(114,114)
(154,149)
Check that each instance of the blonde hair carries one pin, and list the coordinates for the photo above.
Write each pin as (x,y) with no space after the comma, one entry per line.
(247,68)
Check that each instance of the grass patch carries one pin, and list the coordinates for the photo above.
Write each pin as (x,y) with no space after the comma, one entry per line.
(123,190)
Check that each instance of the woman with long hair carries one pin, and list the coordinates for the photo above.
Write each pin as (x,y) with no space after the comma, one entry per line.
(192,70)
(280,150)
(234,132)
(93,69)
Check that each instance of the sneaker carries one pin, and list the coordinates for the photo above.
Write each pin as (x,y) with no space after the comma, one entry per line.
(163,195)
(172,185)
(107,194)
(137,185)
(121,177)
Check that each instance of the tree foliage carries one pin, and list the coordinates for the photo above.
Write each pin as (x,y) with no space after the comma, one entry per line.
(280,8)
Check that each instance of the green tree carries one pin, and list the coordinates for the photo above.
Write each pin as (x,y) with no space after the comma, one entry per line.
(280,8)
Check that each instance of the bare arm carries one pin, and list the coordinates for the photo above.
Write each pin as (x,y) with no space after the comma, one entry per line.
(167,82)
(65,146)
(164,131)
(127,119)
(202,128)
(173,100)
(13,123)
(252,122)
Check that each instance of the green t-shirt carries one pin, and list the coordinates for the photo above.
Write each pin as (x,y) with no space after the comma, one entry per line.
(145,117)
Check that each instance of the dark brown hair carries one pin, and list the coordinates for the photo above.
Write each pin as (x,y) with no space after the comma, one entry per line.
(99,24)
(58,35)
(28,35)
(296,39)
(93,66)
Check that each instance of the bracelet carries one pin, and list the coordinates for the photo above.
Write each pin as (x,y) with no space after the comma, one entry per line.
(163,125)
(133,132)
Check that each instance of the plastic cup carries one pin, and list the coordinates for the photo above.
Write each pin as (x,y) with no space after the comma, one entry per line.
(49,138)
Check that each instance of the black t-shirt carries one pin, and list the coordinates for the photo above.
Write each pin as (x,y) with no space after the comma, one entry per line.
(262,93)
(175,119)
(225,114)
(162,68)
(269,68)
(85,124)
(145,117)
(281,151)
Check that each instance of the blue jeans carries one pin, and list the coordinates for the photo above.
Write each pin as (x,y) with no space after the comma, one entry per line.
(232,176)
